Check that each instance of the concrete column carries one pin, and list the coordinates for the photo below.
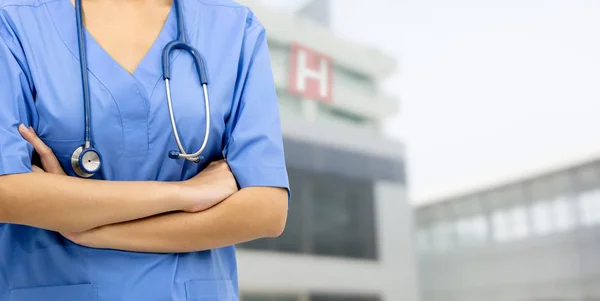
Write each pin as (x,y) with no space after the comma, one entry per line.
(396,241)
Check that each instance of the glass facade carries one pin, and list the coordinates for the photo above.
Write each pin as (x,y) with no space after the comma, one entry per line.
(343,298)
(471,230)
(541,218)
(260,297)
(329,215)
(589,207)
(551,204)
(564,213)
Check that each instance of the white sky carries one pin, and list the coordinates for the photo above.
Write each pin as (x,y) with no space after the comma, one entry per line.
(489,89)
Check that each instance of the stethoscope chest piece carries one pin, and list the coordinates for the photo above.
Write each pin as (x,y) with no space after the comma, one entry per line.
(86,161)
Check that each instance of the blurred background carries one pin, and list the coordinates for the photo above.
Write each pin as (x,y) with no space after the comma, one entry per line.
(437,151)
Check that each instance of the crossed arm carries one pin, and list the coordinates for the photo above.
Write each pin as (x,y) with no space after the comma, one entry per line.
(248,214)
(202,213)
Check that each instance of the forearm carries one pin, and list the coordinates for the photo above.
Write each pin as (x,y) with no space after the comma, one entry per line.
(68,204)
(249,214)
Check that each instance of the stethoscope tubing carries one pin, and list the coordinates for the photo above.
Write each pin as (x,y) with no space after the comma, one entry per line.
(200,63)
(195,157)
(84,74)
(78,164)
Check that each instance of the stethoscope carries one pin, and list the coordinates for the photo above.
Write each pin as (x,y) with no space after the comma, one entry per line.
(86,160)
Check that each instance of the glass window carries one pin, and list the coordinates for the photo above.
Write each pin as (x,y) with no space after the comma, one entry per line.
(342,115)
(349,79)
(541,218)
(510,224)
(443,236)
(552,216)
(589,207)
(329,215)
(472,230)
(343,298)
(519,224)
(343,223)
(564,214)
(500,222)
(257,297)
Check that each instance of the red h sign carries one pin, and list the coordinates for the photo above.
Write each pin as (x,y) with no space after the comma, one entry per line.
(311,74)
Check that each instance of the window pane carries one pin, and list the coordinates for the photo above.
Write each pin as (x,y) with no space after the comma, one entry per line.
(255,297)
(589,207)
(258,244)
(343,223)
(541,218)
(338,114)
(564,214)
(501,226)
(329,215)
(442,234)
(349,78)
(343,298)
(472,230)
(480,228)
(519,223)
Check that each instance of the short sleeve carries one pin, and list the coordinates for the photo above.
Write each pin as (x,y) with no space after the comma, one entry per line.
(16,106)
(254,146)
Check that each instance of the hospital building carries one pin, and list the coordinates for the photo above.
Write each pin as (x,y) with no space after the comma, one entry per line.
(349,235)
(532,238)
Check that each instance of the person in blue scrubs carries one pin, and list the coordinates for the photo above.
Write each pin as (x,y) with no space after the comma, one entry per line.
(145,227)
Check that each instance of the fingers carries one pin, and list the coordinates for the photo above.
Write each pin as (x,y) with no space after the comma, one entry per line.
(31,137)
(49,161)
(35,168)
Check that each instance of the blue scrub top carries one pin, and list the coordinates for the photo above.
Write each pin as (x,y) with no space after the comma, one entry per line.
(40,85)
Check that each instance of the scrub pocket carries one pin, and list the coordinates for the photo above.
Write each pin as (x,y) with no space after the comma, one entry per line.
(81,292)
(210,290)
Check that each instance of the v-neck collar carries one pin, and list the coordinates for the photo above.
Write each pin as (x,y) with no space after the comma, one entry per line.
(100,63)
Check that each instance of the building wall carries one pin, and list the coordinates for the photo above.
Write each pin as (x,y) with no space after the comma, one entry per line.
(398,260)
(390,276)
(348,235)
(534,239)
(318,11)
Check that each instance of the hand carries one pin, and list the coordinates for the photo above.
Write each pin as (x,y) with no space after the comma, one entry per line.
(50,163)
(210,187)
